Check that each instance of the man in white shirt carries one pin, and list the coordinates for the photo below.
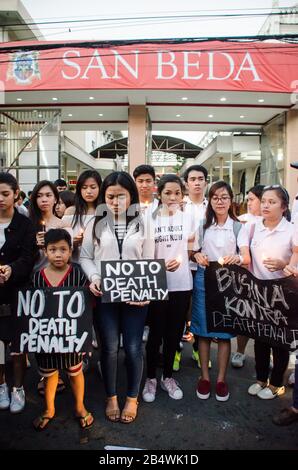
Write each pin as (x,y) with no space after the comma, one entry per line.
(144,176)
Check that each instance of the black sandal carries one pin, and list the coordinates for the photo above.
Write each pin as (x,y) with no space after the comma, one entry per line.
(41,419)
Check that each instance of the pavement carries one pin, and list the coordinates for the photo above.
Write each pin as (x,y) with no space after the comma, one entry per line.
(241,423)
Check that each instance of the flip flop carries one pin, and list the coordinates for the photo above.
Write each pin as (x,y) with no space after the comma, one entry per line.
(83,421)
(42,419)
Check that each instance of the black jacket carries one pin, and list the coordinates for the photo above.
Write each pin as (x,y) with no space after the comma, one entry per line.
(19,251)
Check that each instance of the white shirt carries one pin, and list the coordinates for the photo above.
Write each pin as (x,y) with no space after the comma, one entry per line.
(148,209)
(265,243)
(220,241)
(171,235)
(136,245)
(295,236)
(249,218)
(2,233)
(198,213)
(66,222)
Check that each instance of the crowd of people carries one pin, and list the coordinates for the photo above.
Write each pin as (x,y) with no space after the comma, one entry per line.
(57,238)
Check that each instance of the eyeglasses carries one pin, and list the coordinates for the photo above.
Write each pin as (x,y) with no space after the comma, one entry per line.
(222,199)
(277,186)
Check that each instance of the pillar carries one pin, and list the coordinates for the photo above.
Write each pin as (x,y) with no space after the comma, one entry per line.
(290,174)
(139,136)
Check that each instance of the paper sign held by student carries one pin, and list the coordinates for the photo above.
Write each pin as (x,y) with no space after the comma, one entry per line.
(133,281)
(53,320)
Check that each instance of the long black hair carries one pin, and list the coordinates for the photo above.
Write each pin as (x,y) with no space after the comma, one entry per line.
(34,211)
(122,178)
(211,217)
(81,206)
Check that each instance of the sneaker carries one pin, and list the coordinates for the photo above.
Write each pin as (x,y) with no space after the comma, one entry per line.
(238,360)
(149,390)
(254,389)
(196,354)
(203,389)
(145,334)
(268,394)
(291,379)
(17,403)
(171,386)
(176,364)
(4,397)
(222,391)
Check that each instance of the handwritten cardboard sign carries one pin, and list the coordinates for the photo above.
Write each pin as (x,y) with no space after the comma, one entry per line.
(135,281)
(53,320)
(237,302)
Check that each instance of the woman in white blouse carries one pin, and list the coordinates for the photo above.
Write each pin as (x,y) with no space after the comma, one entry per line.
(271,249)
(222,235)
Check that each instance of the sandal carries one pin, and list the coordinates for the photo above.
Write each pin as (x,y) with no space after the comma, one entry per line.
(130,411)
(42,422)
(83,421)
(112,412)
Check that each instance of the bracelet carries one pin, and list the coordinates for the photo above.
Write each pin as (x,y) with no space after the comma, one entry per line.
(240,260)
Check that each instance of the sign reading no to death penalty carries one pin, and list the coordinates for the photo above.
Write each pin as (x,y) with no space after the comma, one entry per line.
(133,281)
(239,303)
(53,320)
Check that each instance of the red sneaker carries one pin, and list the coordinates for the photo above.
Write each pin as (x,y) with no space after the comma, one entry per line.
(203,389)
(222,391)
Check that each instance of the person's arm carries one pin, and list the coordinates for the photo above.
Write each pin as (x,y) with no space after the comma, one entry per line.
(22,267)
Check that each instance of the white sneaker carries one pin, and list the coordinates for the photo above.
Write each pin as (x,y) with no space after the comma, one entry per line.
(17,403)
(149,390)
(4,397)
(254,389)
(267,394)
(171,386)
(238,360)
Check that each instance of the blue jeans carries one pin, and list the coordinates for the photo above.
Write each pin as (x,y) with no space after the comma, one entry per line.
(111,320)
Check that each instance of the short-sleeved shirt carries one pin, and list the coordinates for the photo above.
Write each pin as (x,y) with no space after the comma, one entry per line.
(171,236)
(220,240)
(276,244)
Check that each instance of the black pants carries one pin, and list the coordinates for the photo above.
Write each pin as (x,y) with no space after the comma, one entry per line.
(280,363)
(166,321)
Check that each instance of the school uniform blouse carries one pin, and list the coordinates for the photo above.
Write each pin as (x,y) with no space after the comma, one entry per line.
(265,243)
(136,244)
(220,241)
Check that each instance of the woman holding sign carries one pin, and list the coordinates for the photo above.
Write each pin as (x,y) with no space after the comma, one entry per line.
(173,230)
(118,232)
(17,250)
(219,240)
(271,250)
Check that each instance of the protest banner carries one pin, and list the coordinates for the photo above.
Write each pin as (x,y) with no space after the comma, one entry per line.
(53,320)
(239,303)
(133,281)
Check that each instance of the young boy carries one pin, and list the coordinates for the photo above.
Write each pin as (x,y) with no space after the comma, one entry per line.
(60,273)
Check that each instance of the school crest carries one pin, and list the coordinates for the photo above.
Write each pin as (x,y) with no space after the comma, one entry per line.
(23,67)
